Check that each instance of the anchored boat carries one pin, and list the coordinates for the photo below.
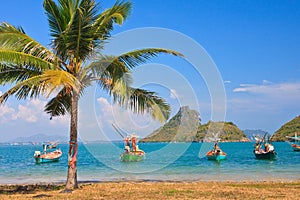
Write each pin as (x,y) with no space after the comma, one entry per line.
(295,142)
(270,155)
(212,155)
(46,157)
(268,152)
(216,154)
(132,152)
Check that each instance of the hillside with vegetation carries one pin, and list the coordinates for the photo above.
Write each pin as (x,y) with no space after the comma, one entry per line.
(180,128)
(185,127)
(288,129)
(225,131)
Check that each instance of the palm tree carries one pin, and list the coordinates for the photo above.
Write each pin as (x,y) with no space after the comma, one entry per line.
(74,62)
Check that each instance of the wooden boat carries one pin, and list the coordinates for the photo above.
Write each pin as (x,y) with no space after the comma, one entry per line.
(270,155)
(295,147)
(294,144)
(53,156)
(216,155)
(131,153)
(132,156)
(268,152)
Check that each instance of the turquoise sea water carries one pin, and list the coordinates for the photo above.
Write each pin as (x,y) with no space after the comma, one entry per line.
(163,161)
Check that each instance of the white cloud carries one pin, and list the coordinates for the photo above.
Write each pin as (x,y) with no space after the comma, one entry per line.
(1,93)
(173,94)
(25,113)
(227,82)
(30,112)
(282,90)
(105,106)
(266,97)
(5,112)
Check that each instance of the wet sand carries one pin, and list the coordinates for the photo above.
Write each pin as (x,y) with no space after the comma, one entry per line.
(158,190)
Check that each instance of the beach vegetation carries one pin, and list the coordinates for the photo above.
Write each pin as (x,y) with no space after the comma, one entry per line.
(74,61)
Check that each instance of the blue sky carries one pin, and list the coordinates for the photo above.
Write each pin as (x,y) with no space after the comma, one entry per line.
(254,45)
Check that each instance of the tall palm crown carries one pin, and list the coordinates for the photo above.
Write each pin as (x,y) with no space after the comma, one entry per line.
(79,33)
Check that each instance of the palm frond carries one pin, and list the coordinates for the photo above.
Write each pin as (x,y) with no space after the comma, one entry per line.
(54,79)
(15,74)
(71,24)
(60,104)
(59,17)
(81,31)
(57,21)
(110,74)
(43,84)
(13,58)
(31,87)
(15,39)
(142,100)
(116,14)
(133,58)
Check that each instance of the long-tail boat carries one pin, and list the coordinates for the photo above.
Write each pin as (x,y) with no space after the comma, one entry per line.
(132,152)
(216,154)
(295,144)
(268,152)
(46,157)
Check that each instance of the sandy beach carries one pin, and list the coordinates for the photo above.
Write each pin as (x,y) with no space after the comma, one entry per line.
(157,190)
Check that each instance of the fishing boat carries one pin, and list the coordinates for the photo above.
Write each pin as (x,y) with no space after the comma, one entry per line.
(132,152)
(212,155)
(46,157)
(295,147)
(52,145)
(132,156)
(295,142)
(270,155)
(216,154)
(267,153)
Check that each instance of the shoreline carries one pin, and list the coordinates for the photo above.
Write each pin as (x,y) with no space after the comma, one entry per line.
(271,180)
(158,189)
(157,181)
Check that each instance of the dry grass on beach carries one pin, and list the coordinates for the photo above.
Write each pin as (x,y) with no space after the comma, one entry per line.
(163,190)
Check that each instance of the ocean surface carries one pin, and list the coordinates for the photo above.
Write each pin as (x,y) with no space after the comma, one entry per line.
(163,162)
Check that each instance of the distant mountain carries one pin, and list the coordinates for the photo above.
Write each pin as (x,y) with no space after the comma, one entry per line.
(288,129)
(185,127)
(180,128)
(225,131)
(252,133)
(41,138)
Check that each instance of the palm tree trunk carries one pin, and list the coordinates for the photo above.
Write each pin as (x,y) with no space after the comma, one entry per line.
(73,146)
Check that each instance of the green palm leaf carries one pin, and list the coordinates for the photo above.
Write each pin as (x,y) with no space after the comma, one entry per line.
(14,39)
(60,104)
(142,100)
(44,84)
(134,58)
(105,21)
(22,59)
